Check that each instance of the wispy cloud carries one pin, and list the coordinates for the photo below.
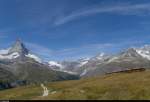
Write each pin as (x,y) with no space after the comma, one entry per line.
(40,50)
(79,52)
(123,9)
(68,53)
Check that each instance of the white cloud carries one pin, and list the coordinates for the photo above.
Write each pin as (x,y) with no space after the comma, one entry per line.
(126,9)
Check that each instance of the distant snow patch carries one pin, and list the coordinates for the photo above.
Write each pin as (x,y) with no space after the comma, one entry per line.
(36,58)
(60,67)
(53,63)
(84,72)
(112,59)
(68,72)
(100,56)
(145,54)
(11,56)
(83,63)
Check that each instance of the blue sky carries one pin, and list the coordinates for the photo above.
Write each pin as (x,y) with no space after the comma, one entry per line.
(71,29)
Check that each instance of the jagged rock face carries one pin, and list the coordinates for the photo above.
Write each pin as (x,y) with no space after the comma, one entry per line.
(19,47)
(131,52)
(18,51)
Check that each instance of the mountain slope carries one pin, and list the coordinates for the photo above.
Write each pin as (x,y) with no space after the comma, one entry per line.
(102,63)
(120,86)
(34,72)
(6,79)
(19,63)
(81,66)
(127,59)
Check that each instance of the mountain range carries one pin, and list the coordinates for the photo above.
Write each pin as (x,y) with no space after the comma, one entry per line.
(102,63)
(18,66)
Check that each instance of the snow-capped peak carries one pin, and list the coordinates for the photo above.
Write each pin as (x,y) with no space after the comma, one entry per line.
(18,50)
(83,73)
(100,56)
(54,63)
(144,51)
(18,47)
(130,52)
